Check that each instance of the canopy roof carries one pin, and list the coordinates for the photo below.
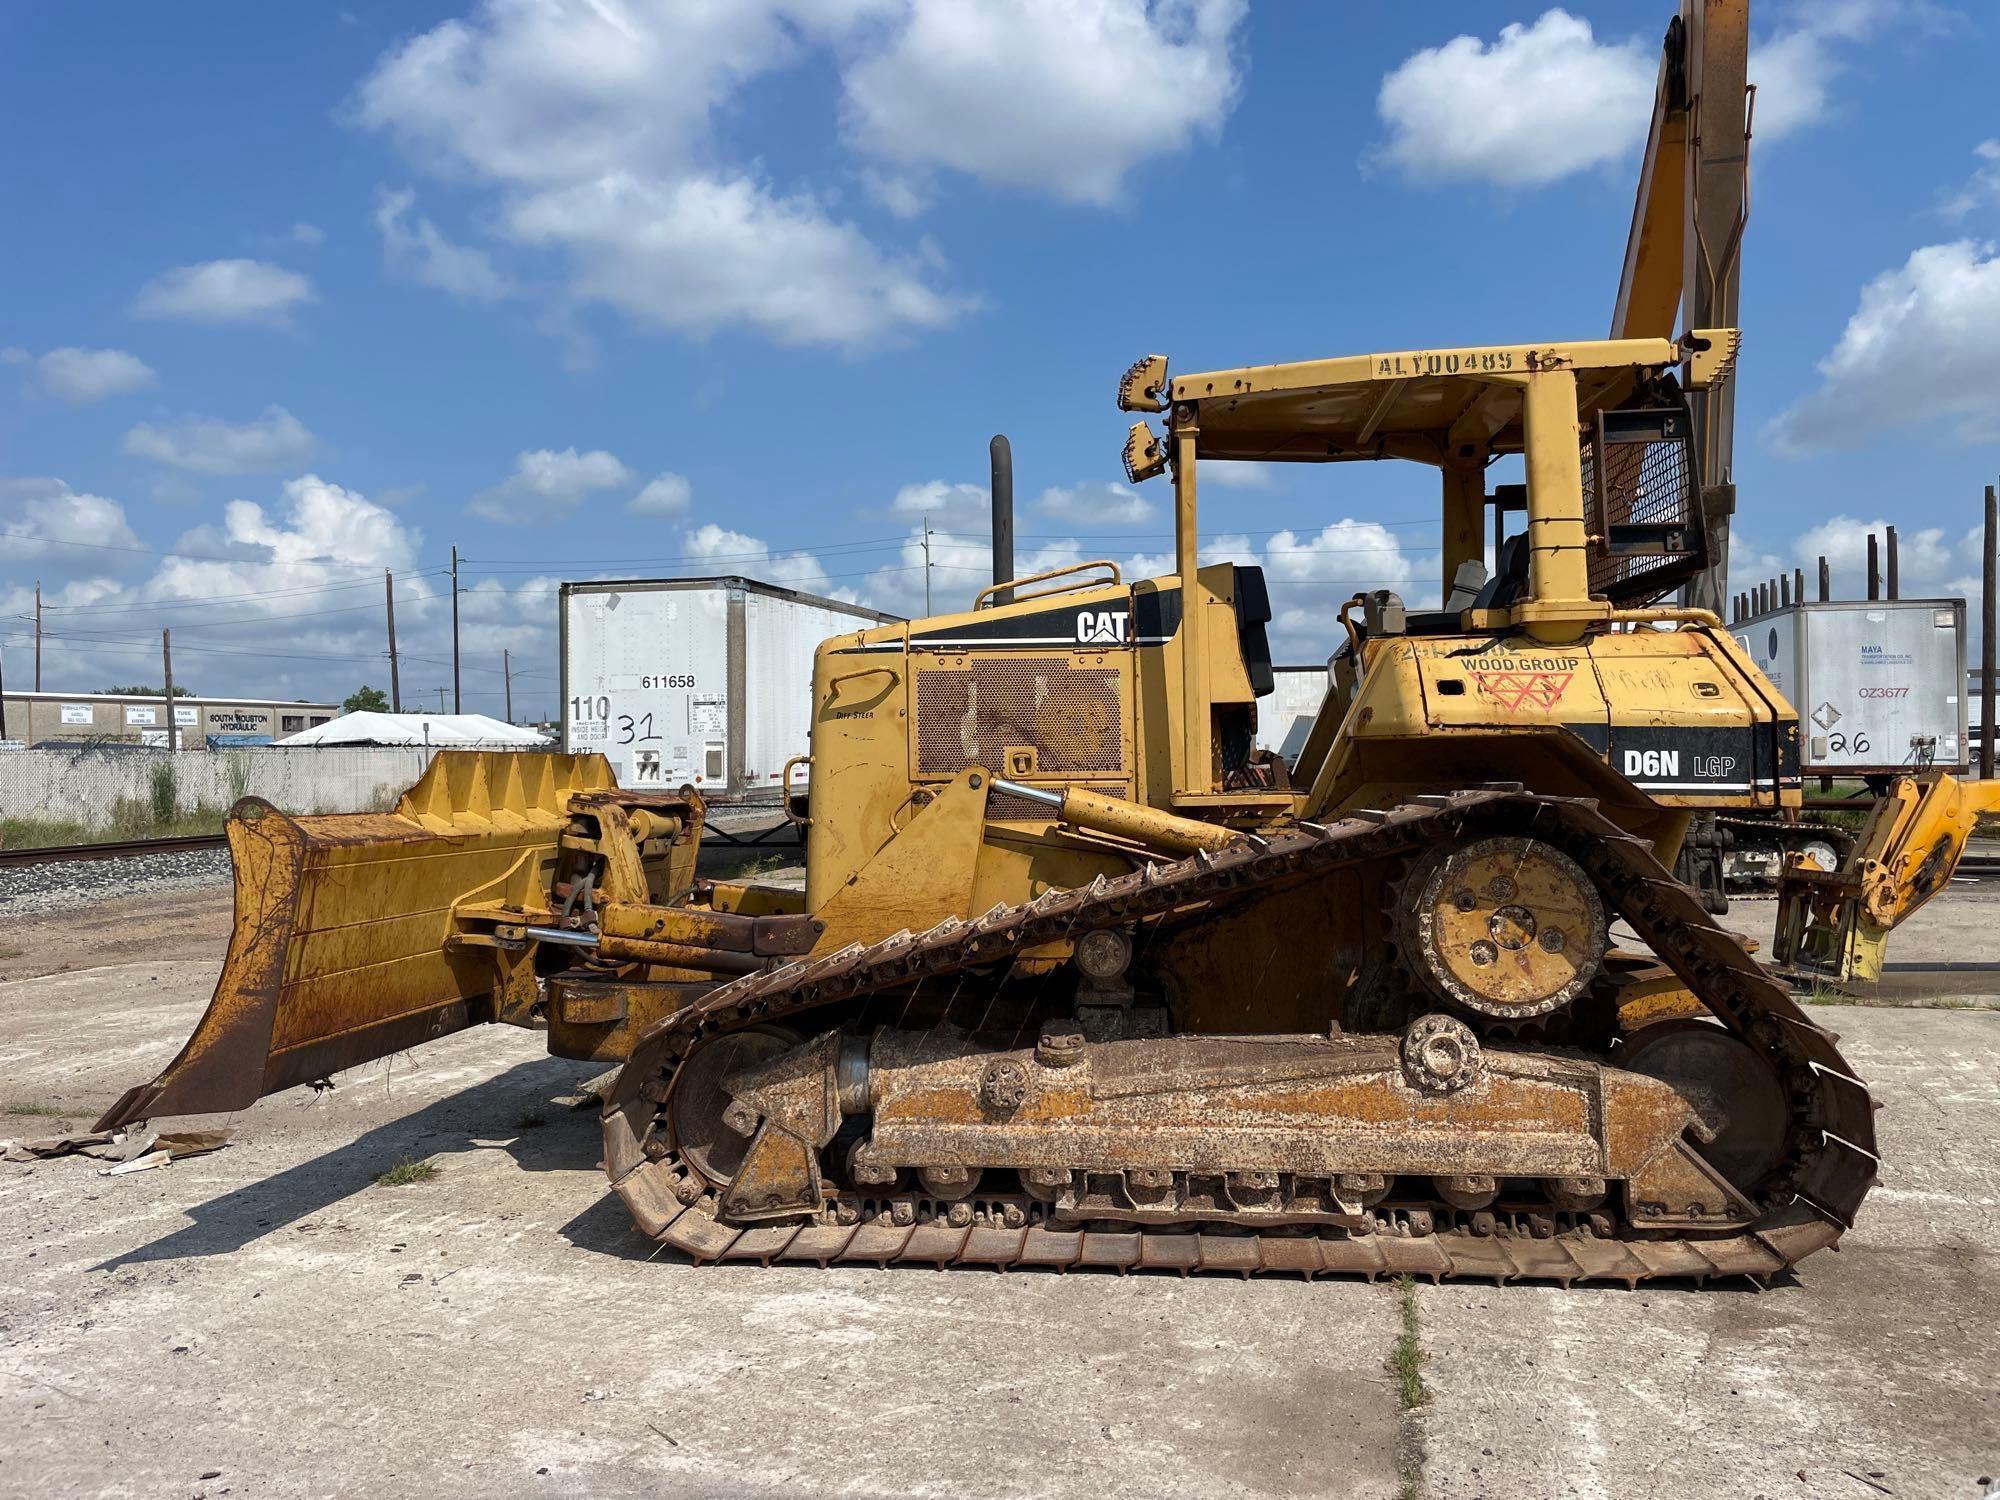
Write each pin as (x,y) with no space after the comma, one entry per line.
(1414,404)
(451,731)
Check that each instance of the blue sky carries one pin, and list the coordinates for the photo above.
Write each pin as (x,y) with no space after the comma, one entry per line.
(303,292)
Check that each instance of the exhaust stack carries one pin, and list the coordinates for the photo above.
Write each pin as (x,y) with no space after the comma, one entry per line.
(1003,515)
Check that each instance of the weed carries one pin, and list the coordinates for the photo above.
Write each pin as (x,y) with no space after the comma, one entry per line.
(19,1107)
(534,1119)
(406,1170)
(1821,994)
(166,793)
(239,767)
(1406,1363)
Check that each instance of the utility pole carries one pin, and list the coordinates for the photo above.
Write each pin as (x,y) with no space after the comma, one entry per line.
(507,677)
(1895,572)
(38,635)
(927,565)
(167,671)
(3,693)
(1874,567)
(457,694)
(1825,581)
(395,675)
(1989,608)
(440,698)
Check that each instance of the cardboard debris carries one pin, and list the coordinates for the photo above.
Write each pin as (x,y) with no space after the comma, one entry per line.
(169,1146)
(131,1151)
(91,1144)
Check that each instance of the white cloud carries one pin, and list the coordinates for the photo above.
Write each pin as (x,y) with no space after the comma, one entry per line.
(1795,69)
(279,599)
(1096,504)
(208,445)
(593,121)
(546,484)
(419,252)
(946,506)
(225,291)
(705,252)
(309,235)
(958,565)
(1919,348)
(1982,187)
(902,195)
(1311,575)
(1931,563)
(1053,96)
(1544,100)
(666,494)
(80,376)
(717,549)
(1548,98)
(38,515)
(1241,476)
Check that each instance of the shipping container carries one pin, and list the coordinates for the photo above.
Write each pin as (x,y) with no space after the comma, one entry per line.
(1878,684)
(1285,716)
(702,682)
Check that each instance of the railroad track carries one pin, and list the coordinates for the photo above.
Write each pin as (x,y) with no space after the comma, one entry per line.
(111,849)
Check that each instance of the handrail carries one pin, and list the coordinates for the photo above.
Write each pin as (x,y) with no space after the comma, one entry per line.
(979,599)
(785,790)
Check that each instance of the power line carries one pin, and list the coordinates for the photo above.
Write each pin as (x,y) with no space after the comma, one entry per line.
(231,598)
(55,541)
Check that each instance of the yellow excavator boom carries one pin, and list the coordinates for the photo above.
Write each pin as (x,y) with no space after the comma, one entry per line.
(1833,924)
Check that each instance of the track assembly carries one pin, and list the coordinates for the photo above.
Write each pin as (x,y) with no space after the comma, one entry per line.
(1270,1154)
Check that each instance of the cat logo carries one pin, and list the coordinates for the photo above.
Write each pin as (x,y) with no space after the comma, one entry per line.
(1103,627)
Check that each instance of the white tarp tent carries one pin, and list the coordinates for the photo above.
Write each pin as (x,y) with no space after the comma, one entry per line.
(439,731)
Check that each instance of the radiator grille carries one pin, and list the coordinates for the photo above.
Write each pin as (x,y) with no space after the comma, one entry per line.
(1069,715)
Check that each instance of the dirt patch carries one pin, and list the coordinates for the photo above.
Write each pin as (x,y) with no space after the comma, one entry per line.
(124,929)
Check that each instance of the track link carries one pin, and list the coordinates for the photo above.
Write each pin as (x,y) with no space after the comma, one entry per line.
(1807,1201)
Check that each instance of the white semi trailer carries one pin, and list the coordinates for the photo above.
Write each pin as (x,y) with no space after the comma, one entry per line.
(702,682)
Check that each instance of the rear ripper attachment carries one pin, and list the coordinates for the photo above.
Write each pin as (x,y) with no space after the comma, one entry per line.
(1437,1149)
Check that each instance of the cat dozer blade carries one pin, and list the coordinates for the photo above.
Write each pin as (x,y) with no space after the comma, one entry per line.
(339,953)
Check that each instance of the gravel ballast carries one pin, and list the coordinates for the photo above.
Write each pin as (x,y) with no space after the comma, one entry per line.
(29,890)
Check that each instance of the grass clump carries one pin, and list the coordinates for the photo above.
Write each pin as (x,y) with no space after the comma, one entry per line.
(404,1171)
(32,1107)
(534,1119)
(1406,1361)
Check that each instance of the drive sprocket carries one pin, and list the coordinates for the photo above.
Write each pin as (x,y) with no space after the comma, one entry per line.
(1506,926)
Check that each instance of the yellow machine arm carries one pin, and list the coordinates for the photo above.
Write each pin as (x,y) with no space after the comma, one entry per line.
(1685,246)
(1833,924)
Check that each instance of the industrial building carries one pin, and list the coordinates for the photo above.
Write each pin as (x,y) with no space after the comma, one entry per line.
(32,719)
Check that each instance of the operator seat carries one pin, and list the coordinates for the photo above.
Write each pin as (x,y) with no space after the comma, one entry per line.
(1510,575)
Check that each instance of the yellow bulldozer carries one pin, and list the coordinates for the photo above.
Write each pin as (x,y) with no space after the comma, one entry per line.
(1078,979)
